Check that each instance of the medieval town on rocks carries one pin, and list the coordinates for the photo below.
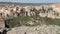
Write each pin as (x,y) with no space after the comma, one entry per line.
(29,19)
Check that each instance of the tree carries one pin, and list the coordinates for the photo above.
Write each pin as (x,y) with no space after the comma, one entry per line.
(43,9)
(33,12)
(33,9)
(56,13)
(37,13)
(50,8)
(22,11)
(0,14)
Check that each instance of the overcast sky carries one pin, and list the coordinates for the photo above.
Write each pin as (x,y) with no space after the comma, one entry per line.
(32,1)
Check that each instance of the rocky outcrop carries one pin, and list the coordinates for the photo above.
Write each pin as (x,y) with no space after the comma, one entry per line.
(43,29)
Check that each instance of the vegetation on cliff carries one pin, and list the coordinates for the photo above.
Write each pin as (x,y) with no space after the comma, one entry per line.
(34,19)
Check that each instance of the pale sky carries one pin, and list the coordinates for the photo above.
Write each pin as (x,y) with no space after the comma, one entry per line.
(32,1)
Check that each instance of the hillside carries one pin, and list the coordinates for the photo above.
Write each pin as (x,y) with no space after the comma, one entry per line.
(30,18)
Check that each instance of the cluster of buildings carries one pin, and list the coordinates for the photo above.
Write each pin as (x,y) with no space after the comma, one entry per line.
(12,10)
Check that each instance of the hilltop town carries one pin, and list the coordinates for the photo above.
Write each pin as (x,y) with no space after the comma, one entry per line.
(30,19)
(9,11)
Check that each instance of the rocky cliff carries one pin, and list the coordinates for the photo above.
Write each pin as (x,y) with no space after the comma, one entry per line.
(30,19)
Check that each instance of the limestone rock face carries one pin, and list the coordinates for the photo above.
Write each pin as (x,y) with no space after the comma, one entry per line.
(51,11)
(43,29)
